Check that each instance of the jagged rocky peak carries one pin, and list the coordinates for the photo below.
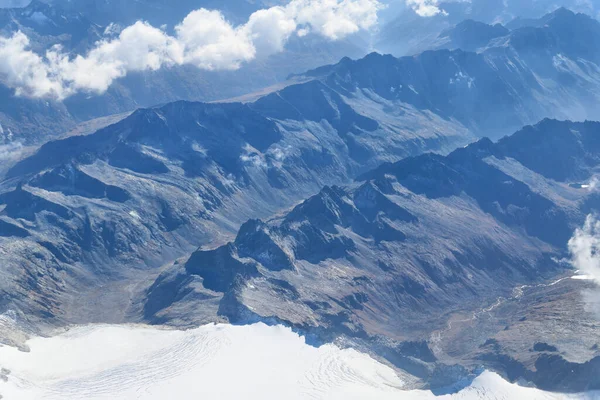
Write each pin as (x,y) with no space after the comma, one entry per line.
(471,35)
(560,32)
(562,16)
(329,207)
(371,201)
(256,240)
(220,267)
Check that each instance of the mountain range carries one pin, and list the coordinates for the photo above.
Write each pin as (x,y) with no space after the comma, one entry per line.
(510,78)
(519,78)
(384,260)
(417,208)
(380,261)
(419,29)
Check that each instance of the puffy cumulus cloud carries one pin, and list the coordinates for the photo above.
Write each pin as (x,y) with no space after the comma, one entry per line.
(138,47)
(24,70)
(204,39)
(335,19)
(584,247)
(425,8)
(270,29)
(210,42)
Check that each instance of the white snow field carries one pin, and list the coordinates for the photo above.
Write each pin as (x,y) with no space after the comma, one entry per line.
(211,362)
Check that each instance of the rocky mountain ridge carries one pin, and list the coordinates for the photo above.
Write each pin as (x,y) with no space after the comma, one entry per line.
(386,260)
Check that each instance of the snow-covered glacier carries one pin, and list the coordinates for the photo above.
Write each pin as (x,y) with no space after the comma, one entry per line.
(211,362)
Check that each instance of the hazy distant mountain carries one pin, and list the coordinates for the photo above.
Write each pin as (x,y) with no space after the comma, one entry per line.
(77,25)
(517,78)
(409,33)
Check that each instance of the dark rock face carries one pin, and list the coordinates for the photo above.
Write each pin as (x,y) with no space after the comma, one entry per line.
(219,268)
(544,347)
(419,350)
(7,230)
(552,372)
(71,181)
(557,374)
(23,204)
(254,240)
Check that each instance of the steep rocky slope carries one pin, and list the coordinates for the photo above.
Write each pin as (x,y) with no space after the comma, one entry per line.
(113,205)
(389,259)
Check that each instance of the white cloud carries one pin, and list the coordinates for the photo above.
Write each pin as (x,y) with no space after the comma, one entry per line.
(204,39)
(270,29)
(138,47)
(335,19)
(10,152)
(210,42)
(585,256)
(425,8)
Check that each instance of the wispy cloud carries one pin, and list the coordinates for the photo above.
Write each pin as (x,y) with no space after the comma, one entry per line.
(425,8)
(585,256)
(204,39)
(10,152)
